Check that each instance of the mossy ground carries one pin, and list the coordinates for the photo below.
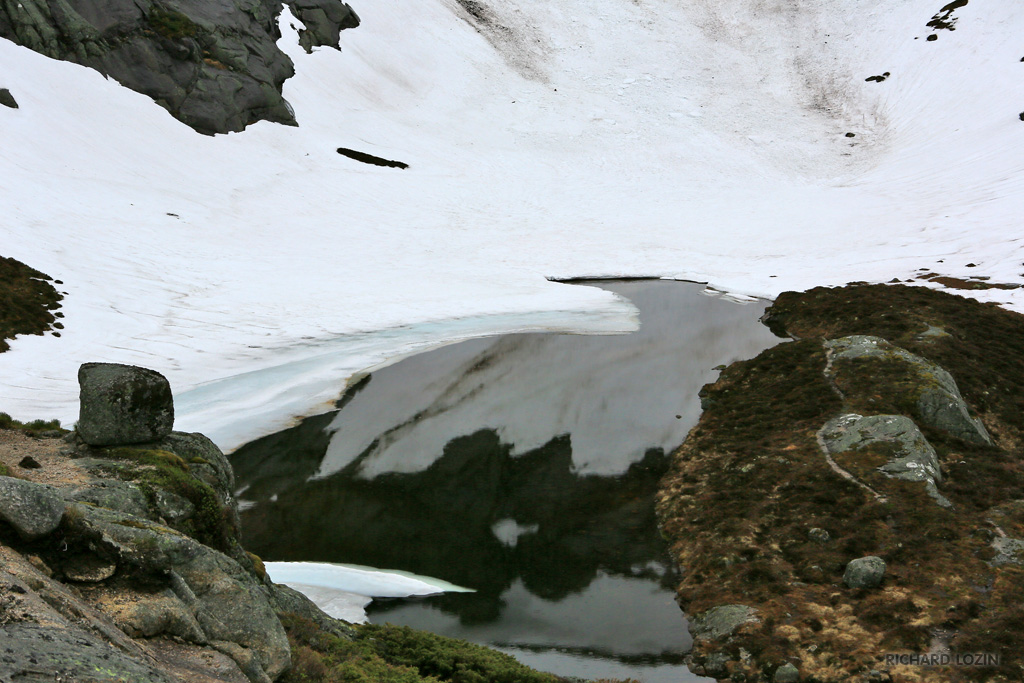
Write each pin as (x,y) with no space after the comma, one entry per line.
(751,481)
(28,302)
(172,24)
(397,654)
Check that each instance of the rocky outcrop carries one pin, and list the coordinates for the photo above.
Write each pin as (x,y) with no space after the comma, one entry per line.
(213,65)
(799,493)
(195,592)
(7,99)
(134,546)
(927,390)
(123,404)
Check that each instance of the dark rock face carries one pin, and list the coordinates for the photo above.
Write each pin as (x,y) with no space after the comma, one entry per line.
(7,99)
(213,65)
(123,404)
(324,20)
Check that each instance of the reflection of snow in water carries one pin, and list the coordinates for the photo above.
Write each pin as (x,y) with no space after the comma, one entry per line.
(617,396)
(613,618)
(344,590)
(508,531)
(614,615)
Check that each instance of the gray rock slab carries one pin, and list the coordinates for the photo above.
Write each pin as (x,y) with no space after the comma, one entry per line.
(34,510)
(938,401)
(864,572)
(914,459)
(229,604)
(108,493)
(721,621)
(123,404)
(1008,551)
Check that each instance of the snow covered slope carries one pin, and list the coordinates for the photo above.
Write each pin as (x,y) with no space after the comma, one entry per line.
(703,140)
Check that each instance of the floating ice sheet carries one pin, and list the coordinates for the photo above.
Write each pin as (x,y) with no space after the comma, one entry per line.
(344,590)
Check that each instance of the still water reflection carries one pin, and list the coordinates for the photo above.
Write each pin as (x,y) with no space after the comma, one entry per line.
(523,466)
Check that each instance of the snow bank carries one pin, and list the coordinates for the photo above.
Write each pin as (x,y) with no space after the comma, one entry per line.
(703,141)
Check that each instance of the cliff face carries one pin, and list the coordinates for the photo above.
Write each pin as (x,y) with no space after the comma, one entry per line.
(213,65)
(855,498)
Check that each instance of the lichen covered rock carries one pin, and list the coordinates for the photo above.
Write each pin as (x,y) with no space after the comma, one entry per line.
(864,572)
(928,391)
(207,596)
(721,621)
(912,458)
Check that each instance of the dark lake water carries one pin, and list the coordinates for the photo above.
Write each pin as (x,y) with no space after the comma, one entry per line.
(522,466)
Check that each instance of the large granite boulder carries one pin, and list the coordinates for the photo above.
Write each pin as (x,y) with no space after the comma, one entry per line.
(213,64)
(929,391)
(864,572)
(123,404)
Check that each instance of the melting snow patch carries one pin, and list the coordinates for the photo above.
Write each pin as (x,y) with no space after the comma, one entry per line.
(344,590)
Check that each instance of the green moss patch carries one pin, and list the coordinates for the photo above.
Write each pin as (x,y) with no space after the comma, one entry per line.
(27,302)
(751,480)
(212,523)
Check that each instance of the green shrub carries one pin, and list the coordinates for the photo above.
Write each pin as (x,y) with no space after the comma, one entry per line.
(31,428)
(396,654)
